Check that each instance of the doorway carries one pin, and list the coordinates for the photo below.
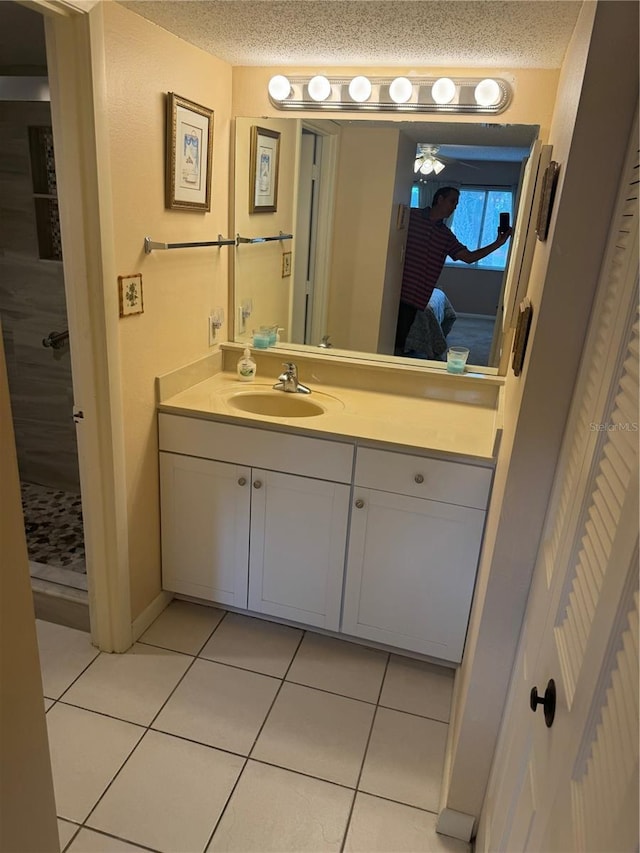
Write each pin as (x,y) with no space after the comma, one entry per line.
(35,333)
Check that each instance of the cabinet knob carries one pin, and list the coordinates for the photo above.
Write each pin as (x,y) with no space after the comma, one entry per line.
(257,484)
(359,503)
(419,478)
(548,702)
(242,481)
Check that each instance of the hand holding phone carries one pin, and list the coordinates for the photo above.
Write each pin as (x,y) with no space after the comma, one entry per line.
(504,226)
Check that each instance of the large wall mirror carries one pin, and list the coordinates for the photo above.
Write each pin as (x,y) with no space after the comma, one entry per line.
(345,191)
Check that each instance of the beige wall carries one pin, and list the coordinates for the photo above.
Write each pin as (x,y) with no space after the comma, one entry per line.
(27,807)
(396,241)
(258,267)
(143,63)
(561,287)
(363,207)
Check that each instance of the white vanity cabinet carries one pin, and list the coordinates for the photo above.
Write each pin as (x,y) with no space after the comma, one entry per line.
(415,535)
(254,519)
(205,513)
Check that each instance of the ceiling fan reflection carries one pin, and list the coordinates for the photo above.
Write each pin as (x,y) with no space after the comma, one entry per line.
(428,161)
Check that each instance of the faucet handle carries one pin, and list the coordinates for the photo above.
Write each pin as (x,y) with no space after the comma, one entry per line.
(290,368)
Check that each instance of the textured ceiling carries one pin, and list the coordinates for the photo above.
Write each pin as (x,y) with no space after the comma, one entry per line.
(492,33)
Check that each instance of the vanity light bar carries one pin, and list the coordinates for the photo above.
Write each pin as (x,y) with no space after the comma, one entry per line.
(470,95)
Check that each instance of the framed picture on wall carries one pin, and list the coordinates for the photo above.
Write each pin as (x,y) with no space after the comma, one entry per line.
(549,183)
(189,155)
(263,170)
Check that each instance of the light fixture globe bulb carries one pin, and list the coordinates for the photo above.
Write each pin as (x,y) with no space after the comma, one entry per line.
(360,89)
(400,90)
(443,90)
(427,167)
(438,166)
(319,88)
(279,87)
(487,93)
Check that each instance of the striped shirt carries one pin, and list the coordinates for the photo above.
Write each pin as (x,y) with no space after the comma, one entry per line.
(428,244)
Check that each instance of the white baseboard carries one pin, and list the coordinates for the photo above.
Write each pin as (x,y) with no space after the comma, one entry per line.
(464,316)
(150,614)
(455,824)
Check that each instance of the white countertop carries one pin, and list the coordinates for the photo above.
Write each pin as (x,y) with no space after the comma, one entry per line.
(466,429)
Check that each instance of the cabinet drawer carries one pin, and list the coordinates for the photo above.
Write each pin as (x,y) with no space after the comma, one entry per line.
(417,476)
(257,448)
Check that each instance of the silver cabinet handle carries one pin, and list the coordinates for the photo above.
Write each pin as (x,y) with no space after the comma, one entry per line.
(359,503)
(419,478)
(257,484)
(242,481)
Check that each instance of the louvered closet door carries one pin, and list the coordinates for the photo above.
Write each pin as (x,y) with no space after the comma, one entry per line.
(574,786)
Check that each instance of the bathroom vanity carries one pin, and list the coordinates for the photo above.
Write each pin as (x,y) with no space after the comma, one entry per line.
(340,521)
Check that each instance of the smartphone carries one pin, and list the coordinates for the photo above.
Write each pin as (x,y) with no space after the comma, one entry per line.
(504,223)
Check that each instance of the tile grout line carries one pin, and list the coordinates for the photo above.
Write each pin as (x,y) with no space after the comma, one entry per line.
(146,728)
(255,740)
(107,835)
(364,756)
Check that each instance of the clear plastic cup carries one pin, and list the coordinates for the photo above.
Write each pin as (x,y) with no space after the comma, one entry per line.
(457,359)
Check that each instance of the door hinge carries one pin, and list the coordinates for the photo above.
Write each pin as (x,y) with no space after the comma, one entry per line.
(78,415)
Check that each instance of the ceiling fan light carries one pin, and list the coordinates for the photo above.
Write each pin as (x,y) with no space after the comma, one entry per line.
(443,90)
(487,93)
(279,87)
(418,163)
(360,89)
(438,166)
(427,167)
(400,90)
(319,88)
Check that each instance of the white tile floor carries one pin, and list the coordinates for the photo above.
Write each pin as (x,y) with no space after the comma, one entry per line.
(220,732)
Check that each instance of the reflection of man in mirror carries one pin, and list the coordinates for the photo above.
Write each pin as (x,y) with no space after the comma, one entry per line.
(429,242)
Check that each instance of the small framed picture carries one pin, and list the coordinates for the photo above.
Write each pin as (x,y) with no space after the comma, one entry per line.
(263,170)
(130,294)
(549,183)
(189,155)
(521,336)
(286,264)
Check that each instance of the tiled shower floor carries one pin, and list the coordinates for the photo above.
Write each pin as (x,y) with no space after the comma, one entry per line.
(53,525)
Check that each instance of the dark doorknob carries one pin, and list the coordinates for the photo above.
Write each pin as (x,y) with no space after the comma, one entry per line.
(548,702)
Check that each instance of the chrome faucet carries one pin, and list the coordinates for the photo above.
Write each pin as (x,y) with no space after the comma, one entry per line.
(288,380)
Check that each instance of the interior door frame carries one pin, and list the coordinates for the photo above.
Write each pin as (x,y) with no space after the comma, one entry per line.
(76,65)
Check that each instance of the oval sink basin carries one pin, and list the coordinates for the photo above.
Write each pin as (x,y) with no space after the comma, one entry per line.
(276,404)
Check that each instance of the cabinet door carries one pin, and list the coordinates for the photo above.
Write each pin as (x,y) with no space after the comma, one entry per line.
(298,541)
(411,571)
(205,528)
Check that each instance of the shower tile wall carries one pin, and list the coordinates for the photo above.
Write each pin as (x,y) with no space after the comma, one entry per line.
(32,304)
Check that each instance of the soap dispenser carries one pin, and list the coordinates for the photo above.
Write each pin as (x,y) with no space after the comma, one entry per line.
(246,367)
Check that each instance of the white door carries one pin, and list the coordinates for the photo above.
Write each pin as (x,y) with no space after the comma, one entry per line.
(298,543)
(205,528)
(573,785)
(411,571)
